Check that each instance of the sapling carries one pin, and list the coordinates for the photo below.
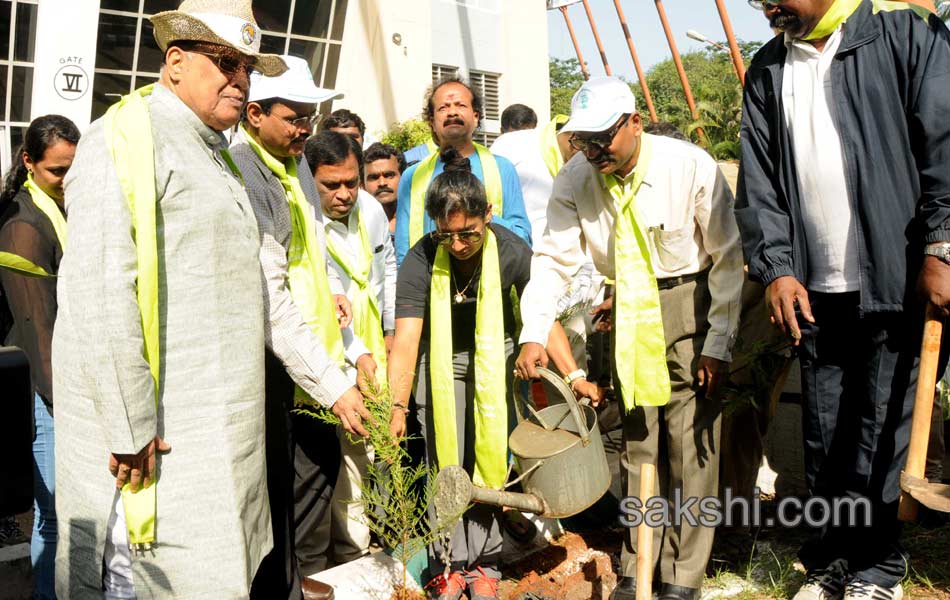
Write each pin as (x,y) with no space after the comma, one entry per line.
(395,493)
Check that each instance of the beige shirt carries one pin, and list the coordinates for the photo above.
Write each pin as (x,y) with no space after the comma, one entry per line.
(686,209)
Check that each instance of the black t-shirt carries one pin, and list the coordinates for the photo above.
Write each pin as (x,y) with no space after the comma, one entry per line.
(415,281)
(26,231)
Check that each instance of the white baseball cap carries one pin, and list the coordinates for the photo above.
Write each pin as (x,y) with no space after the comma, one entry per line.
(599,104)
(295,84)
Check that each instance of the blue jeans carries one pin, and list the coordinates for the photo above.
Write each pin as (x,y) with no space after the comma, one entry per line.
(43,544)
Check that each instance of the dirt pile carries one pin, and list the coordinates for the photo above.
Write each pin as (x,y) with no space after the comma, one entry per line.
(569,569)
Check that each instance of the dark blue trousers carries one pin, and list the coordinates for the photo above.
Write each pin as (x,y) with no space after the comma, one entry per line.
(859,375)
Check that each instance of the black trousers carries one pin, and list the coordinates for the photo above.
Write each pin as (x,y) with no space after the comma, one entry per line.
(303,460)
(859,376)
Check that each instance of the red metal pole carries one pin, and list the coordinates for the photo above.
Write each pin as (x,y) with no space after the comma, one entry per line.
(577,47)
(636,63)
(679,65)
(733,44)
(600,46)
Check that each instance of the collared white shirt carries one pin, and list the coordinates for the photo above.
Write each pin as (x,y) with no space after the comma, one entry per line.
(523,149)
(346,238)
(827,214)
(686,210)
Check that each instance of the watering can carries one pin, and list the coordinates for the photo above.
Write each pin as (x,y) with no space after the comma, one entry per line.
(559,456)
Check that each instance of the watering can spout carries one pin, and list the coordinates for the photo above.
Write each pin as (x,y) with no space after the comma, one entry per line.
(455,492)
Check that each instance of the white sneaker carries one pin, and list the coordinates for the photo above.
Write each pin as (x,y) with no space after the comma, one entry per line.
(824,584)
(862,590)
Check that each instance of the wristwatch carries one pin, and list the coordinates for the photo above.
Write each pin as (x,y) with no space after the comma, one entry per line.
(941,251)
(573,376)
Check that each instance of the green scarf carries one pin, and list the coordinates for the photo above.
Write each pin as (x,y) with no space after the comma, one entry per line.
(422,177)
(367,320)
(837,14)
(128,137)
(640,351)
(306,263)
(18,264)
(491,409)
(550,151)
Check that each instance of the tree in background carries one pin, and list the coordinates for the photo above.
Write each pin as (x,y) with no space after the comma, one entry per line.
(714,84)
(566,78)
(943,11)
(406,135)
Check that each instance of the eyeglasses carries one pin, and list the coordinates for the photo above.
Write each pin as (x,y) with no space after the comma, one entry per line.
(301,122)
(600,141)
(466,237)
(229,63)
(762,4)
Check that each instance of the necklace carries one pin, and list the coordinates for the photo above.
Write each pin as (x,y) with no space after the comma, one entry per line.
(460,295)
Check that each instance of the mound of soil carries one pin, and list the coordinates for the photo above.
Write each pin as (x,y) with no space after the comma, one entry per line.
(571,568)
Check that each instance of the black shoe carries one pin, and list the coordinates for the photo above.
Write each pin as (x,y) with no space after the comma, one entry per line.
(626,589)
(668,591)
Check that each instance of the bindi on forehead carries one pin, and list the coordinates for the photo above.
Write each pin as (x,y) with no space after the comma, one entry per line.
(454,93)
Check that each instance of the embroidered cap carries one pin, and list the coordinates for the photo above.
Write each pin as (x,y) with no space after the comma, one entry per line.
(295,84)
(599,103)
(225,22)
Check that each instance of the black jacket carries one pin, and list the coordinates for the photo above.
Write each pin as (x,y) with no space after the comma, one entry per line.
(891,82)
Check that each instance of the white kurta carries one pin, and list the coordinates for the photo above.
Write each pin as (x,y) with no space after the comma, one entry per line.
(213,522)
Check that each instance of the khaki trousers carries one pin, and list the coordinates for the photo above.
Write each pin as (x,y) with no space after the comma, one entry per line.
(681,439)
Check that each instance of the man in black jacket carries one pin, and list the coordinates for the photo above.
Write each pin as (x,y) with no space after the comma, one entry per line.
(844,208)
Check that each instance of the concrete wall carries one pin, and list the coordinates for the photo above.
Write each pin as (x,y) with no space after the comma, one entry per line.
(524,29)
(468,36)
(385,82)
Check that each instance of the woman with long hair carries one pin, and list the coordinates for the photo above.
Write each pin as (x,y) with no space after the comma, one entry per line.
(32,237)
(456,312)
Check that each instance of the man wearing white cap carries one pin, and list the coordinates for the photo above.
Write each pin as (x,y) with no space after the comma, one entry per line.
(161,329)
(307,351)
(656,216)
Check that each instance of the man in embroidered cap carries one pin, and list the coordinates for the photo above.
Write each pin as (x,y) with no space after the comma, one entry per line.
(161,341)
(844,206)
(307,352)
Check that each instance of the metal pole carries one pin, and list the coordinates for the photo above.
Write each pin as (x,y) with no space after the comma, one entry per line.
(600,46)
(636,63)
(577,47)
(679,66)
(733,44)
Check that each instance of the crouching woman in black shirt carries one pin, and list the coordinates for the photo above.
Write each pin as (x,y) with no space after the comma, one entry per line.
(455,312)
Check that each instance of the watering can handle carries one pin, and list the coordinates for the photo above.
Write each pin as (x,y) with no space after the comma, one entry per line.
(555,380)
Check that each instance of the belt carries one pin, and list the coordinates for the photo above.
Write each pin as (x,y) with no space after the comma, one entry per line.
(668,283)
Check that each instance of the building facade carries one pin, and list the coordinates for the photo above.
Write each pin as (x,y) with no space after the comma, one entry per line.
(77,57)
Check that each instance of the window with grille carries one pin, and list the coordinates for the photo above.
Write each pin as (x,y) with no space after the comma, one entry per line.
(486,86)
(127,56)
(440,72)
(17,44)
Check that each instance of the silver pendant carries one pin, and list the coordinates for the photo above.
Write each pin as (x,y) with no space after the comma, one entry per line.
(459,298)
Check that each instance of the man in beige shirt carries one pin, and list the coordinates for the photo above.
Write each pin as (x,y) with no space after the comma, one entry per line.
(684,209)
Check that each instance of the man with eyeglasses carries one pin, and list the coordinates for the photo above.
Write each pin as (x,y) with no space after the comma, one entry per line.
(308,354)
(844,206)
(157,351)
(655,215)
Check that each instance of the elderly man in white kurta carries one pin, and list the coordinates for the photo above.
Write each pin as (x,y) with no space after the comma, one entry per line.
(211,513)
